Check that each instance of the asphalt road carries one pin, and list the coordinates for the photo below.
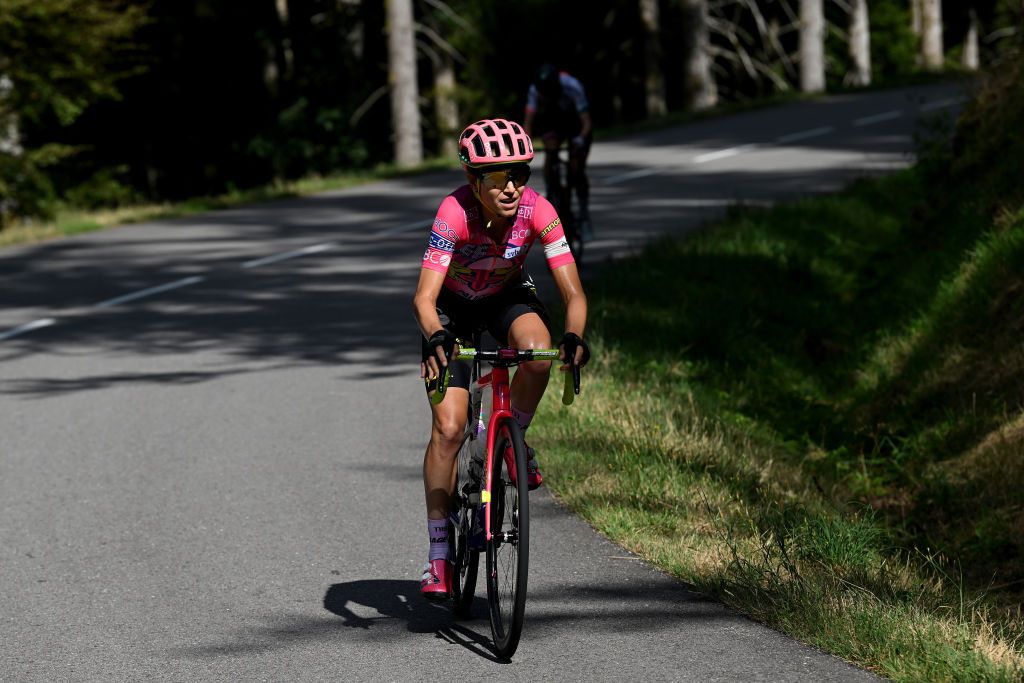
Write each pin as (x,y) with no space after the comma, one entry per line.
(211,432)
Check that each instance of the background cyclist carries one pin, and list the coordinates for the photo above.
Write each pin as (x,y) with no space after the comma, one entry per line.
(557,110)
(473,275)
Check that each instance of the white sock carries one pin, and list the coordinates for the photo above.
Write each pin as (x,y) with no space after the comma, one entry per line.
(437,529)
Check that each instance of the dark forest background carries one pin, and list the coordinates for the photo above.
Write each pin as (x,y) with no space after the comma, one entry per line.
(119,102)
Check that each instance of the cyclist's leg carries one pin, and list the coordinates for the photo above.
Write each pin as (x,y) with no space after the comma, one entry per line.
(522,323)
(448,422)
(578,176)
(552,183)
(528,331)
(525,325)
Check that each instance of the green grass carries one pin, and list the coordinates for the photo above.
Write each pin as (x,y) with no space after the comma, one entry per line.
(797,411)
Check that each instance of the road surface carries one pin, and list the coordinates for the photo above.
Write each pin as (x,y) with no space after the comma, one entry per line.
(212,432)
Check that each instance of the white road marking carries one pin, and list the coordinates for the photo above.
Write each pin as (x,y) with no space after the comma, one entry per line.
(422,224)
(149,292)
(722,154)
(878,118)
(942,104)
(804,135)
(28,327)
(643,172)
(256,263)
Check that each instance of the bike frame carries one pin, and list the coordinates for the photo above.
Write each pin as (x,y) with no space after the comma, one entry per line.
(501,406)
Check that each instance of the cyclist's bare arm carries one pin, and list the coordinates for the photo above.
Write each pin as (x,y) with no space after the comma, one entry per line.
(425,309)
(567,278)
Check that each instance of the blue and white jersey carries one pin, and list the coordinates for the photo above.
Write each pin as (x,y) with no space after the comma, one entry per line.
(572,92)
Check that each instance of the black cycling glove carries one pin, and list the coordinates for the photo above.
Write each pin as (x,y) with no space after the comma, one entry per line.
(571,341)
(444,339)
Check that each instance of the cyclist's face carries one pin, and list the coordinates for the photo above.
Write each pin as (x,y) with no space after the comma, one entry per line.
(500,191)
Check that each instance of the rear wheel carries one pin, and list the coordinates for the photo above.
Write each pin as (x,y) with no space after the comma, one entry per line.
(508,547)
(561,199)
(466,564)
(573,236)
(465,559)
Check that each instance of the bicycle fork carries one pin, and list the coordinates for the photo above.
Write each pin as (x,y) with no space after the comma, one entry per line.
(501,408)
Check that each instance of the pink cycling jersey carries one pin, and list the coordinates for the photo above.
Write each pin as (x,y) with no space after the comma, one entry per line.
(476,265)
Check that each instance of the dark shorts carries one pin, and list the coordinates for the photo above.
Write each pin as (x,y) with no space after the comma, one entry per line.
(494,314)
(565,123)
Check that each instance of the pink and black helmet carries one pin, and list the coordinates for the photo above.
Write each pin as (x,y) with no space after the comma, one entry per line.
(494,141)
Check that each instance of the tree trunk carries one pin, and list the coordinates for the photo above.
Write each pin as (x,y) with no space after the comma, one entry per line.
(10,133)
(931,34)
(915,17)
(860,45)
(405,113)
(971,59)
(10,144)
(812,46)
(446,107)
(701,88)
(280,59)
(654,83)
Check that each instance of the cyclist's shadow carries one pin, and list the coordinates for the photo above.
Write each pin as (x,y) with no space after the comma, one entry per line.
(400,600)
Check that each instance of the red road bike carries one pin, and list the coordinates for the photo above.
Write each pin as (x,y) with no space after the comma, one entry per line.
(491,506)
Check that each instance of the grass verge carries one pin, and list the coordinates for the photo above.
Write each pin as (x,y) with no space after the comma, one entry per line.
(796,411)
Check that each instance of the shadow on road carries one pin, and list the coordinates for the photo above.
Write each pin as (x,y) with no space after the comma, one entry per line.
(351,305)
(376,610)
(401,600)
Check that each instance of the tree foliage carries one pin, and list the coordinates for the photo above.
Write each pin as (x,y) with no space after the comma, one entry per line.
(57,58)
(113,100)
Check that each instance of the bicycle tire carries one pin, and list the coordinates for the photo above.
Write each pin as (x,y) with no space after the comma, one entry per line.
(508,549)
(465,560)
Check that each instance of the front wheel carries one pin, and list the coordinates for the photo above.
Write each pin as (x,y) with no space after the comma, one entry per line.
(508,549)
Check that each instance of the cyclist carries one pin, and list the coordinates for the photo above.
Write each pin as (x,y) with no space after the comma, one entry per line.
(473,276)
(557,110)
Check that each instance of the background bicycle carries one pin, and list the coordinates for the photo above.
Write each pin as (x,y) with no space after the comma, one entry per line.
(562,194)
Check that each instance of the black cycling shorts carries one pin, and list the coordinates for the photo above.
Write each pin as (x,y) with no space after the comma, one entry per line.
(495,314)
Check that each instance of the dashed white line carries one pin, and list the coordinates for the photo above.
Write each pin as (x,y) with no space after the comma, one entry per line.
(255,263)
(804,135)
(422,224)
(643,172)
(878,118)
(28,327)
(722,154)
(942,104)
(149,292)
